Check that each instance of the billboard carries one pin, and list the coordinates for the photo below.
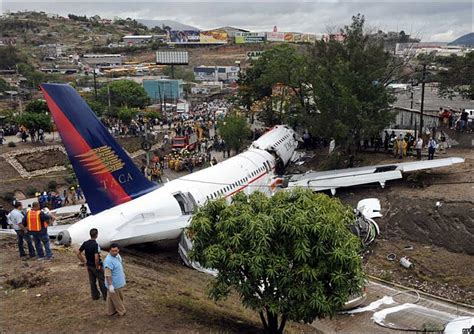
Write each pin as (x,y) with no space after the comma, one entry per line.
(198,37)
(296,37)
(275,36)
(171,57)
(184,36)
(253,54)
(249,37)
(308,38)
(205,73)
(213,37)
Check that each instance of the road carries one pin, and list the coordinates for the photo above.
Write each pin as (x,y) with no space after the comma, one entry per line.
(428,312)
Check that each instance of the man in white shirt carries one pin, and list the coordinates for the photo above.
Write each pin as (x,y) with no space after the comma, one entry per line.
(418,147)
(15,218)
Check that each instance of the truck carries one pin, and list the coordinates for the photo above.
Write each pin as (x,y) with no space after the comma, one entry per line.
(187,142)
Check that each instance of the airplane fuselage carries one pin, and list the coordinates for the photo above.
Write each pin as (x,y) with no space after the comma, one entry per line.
(164,212)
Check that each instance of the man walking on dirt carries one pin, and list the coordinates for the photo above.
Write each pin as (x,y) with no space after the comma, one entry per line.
(114,281)
(94,264)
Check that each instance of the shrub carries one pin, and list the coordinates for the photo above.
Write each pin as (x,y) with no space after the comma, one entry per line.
(31,191)
(8,196)
(52,185)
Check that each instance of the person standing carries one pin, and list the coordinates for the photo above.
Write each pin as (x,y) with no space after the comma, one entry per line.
(3,217)
(83,211)
(94,265)
(418,147)
(37,223)
(431,148)
(15,219)
(114,281)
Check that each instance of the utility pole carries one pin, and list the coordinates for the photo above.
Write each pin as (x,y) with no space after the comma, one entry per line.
(108,96)
(95,83)
(423,77)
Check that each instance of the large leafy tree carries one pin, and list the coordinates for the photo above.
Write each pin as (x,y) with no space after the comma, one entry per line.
(283,65)
(124,93)
(127,114)
(337,89)
(458,78)
(34,120)
(37,107)
(349,86)
(36,115)
(234,129)
(289,257)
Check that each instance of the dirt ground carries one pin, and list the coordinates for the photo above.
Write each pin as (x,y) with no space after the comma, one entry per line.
(48,159)
(441,236)
(161,295)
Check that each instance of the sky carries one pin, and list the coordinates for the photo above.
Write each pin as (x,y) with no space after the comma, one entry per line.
(441,21)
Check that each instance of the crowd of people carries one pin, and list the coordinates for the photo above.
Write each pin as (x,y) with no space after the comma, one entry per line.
(54,200)
(456,120)
(36,135)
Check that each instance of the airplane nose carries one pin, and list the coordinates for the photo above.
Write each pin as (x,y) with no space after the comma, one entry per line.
(64,238)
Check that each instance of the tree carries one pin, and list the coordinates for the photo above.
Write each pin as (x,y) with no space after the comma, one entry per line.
(37,107)
(234,129)
(124,93)
(458,78)
(4,86)
(348,80)
(9,57)
(289,257)
(152,115)
(34,120)
(179,73)
(403,37)
(282,65)
(126,114)
(97,107)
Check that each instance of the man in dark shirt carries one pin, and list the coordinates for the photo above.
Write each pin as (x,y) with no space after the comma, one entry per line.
(94,264)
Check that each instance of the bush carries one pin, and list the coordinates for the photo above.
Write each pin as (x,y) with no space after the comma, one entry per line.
(52,185)
(11,144)
(31,191)
(8,197)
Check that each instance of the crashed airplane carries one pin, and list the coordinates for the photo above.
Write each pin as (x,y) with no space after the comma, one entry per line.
(129,209)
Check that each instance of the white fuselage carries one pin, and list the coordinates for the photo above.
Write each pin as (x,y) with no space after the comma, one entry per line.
(163,213)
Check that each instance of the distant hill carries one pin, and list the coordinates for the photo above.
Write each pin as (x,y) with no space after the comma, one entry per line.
(467,40)
(170,23)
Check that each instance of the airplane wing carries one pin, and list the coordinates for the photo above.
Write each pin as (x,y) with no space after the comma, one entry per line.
(147,228)
(333,179)
(70,209)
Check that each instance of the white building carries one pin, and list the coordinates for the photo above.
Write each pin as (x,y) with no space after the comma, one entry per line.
(438,49)
(137,39)
(102,59)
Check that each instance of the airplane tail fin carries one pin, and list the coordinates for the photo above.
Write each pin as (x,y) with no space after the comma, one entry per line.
(106,173)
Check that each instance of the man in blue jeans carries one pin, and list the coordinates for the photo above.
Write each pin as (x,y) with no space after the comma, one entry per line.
(37,224)
(15,219)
